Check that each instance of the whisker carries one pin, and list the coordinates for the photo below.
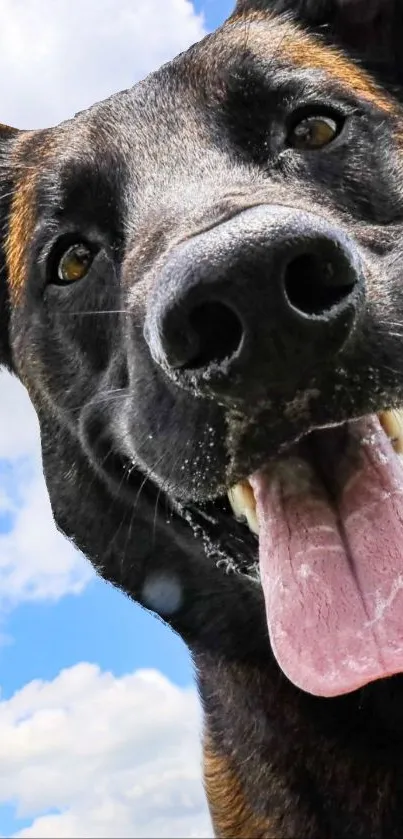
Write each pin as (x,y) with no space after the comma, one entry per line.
(155,515)
(113,396)
(92,481)
(98,312)
(393,370)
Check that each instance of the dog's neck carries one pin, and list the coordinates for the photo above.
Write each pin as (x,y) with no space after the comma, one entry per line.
(278,763)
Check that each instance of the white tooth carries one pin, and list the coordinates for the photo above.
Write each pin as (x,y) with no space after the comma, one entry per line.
(241,497)
(392,424)
(243,503)
(253,523)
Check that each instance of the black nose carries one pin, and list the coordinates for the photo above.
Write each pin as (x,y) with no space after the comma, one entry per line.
(269,287)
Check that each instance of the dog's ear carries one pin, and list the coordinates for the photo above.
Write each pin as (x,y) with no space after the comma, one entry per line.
(7,140)
(371,30)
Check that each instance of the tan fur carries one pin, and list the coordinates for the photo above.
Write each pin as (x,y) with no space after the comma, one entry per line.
(231,814)
(21,223)
(23,208)
(20,229)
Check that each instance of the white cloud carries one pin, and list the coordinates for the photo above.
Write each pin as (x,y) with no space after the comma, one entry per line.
(19,429)
(112,756)
(36,561)
(59,56)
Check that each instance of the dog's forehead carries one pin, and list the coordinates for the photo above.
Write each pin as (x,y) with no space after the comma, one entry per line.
(149,133)
(172,104)
(158,125)
(173,101)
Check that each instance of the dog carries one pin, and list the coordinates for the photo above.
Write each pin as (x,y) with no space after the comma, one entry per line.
(201,290)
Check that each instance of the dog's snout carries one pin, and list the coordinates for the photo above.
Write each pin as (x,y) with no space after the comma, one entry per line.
(267,287)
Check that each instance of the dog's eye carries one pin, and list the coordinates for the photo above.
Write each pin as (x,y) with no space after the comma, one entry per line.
(313,132)
(75,263)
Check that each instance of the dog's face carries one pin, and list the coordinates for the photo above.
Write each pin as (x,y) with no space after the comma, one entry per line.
(202,285)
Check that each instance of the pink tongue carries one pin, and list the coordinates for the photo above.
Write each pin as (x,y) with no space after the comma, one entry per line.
(333,576)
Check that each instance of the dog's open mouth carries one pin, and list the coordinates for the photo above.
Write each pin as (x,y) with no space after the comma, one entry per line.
(329,516)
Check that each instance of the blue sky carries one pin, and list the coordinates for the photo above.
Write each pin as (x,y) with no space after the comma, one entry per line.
(48,627)
(215,11)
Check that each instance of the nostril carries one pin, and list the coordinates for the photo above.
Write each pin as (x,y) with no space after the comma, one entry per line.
(219,331)
(315,283)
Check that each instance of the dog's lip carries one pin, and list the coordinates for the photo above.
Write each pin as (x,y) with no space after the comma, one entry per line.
(241,494)
(203,515)
(265,458)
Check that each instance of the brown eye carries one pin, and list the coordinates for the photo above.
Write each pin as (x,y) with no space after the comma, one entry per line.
(75,263)
(313,133)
